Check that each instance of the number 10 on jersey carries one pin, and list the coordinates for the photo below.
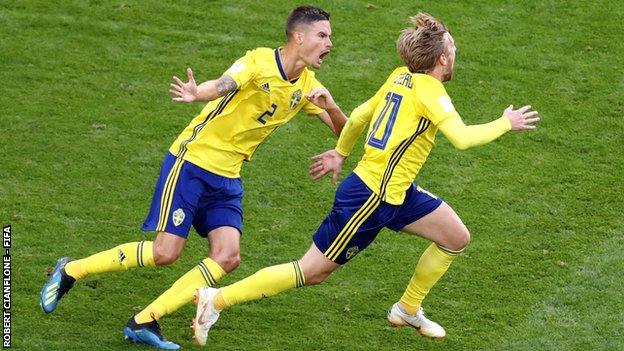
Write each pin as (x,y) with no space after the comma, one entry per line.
(389,112)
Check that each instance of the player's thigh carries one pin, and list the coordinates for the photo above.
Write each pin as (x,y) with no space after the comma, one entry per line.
(442,226)
(353,223)
(176,196)
(219,213)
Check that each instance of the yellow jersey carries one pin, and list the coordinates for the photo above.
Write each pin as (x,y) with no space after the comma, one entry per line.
(229,129)
(403,115)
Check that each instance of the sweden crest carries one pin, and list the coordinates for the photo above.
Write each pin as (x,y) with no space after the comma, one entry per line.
(295,99)
(178,217)
(352,252)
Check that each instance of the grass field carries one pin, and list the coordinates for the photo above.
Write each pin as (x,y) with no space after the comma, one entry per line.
(86,118)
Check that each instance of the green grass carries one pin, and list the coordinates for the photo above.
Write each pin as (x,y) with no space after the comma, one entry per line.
(86,119)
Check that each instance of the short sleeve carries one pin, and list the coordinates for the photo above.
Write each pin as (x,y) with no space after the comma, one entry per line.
(243,70)
(310,108)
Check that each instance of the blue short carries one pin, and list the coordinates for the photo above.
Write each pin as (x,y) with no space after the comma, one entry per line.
(359,214)
(188,195)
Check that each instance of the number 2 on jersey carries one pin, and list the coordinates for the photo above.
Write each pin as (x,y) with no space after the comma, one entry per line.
(267,113)
(391,99)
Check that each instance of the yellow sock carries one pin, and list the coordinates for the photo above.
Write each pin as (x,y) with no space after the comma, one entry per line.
(264,283)
(207,272)
(120,258)
(430,268)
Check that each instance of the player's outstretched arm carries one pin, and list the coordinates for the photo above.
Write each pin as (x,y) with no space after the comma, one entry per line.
(333,116)
(329,161)
(521,119)
(206,91)
(464,137)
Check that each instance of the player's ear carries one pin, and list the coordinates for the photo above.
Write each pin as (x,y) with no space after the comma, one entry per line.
(297,37)
(443,60)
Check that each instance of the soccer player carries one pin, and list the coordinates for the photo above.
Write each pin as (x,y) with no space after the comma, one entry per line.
(403,118)
(199,183)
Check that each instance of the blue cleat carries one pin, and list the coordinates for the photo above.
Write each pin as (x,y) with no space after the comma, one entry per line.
(57,285)
(148,334)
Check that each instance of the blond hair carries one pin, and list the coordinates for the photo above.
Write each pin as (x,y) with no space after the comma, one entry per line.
(421,45)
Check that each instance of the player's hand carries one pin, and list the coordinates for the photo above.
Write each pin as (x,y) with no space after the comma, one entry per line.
(184,92)
(329,161)
(522,118)
(322,98)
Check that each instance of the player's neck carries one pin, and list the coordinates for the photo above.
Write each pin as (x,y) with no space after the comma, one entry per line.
(437,73)
(292,64)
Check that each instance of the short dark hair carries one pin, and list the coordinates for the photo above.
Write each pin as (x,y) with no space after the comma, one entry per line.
(304,15)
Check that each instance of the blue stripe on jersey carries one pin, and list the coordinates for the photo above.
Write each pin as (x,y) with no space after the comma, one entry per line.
(423,124)
(279,64)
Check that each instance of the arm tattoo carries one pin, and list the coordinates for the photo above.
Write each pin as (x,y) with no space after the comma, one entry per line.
(225,84)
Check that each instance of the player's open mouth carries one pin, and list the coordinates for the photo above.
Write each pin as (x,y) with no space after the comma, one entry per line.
(323,55)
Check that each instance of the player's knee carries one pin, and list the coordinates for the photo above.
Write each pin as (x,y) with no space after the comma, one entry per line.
(315,278)
(229,260)
(464,238)
(231,263)
(461,239)
(167,248)
(163,257)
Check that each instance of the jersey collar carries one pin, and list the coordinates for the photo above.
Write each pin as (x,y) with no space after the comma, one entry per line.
(278,60)
(279,65)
